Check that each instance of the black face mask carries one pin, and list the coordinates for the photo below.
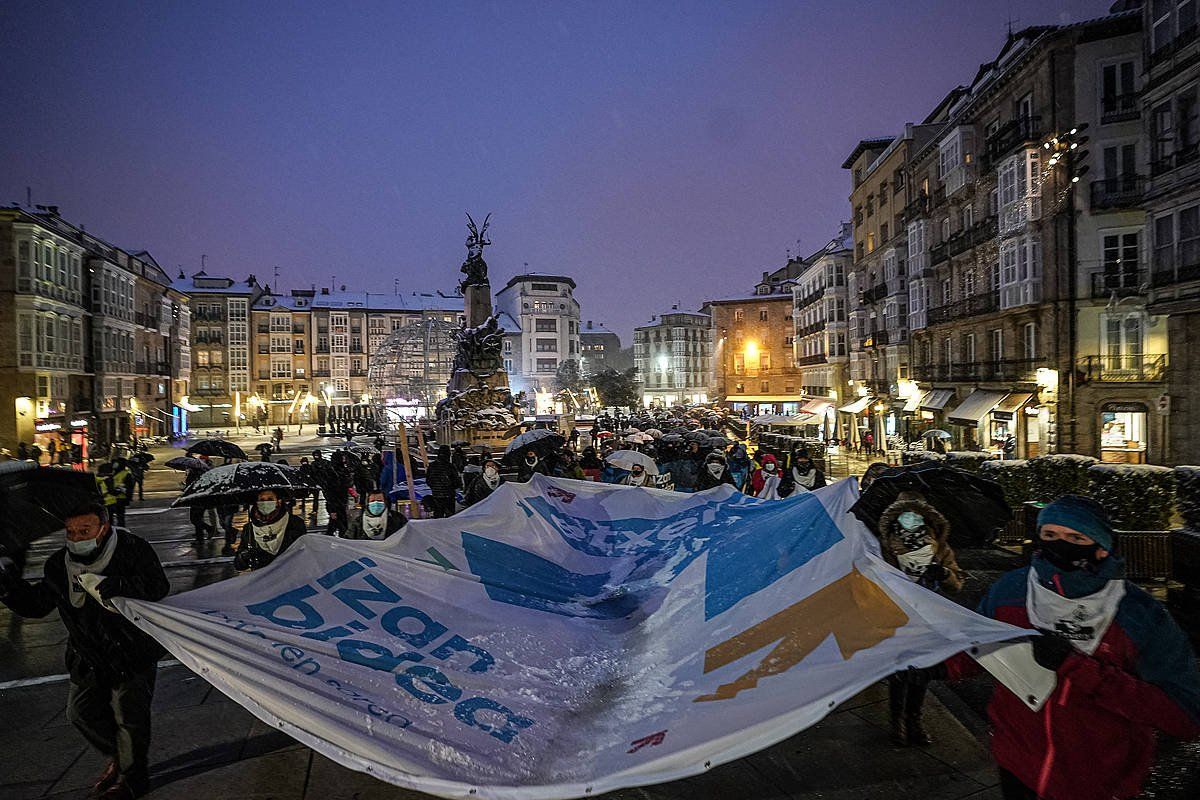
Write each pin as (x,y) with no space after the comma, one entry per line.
(1069,556)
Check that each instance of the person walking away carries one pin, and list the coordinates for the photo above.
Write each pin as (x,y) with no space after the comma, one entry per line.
(51,450)
(224,519)
(272,529)
(112,664)
(715,473)
(483,484)
(1124,667)
(443,480)
(805,474)
(138,464)
(122,481)
(765,480)
(637,477)
(574,439)
(377,520)
(198,515)
(914,537)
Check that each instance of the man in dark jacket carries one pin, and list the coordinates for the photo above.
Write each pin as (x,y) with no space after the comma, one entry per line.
(715,473)
(111,662)
(444,480)
(1124,668)
(377,521)
(483,484)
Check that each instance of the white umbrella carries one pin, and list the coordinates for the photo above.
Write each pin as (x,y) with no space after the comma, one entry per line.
(625,459)
(939,434)
(637,437)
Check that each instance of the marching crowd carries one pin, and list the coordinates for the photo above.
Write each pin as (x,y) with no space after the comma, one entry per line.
(1125,670)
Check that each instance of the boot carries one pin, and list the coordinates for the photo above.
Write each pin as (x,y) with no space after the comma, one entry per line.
(914,699)
(917,735)
(106,779)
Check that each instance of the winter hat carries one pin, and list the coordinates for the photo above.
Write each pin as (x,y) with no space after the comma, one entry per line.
(1080,514)
(769,459)
(715,458)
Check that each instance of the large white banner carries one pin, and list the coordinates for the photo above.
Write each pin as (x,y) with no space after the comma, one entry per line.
(566,638)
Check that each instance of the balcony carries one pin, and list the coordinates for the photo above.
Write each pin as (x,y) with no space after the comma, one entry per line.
(808,361)
(877,338)
(1007,371)
(968,238)
(1123,284)
(1009,137)
(984,303)
(875,293)
(263,349)
(263,327)
(320,373)
(1118,193)
(1167,274)
(808,299)
(1119,108)
(810,329)
(1179,158)
(916,209)
(1133,368)
(298,329)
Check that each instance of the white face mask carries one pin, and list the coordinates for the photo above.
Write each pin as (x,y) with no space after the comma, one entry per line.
(915,562)
(769,467)
(267,507)
(84,547)
(490,472)
(910,520)
(715,470)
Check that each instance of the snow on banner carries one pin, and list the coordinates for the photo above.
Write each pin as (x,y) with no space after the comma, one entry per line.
(565,638)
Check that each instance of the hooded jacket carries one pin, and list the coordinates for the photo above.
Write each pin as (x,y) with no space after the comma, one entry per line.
(100,642)
(939,530)
(759,476)
(707,480)
(395,521)
(1094,738)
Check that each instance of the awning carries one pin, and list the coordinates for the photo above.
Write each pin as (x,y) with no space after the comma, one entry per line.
(816,406)
(936,399)
(913,403)
(1011,404)
(857,406)
(971,411)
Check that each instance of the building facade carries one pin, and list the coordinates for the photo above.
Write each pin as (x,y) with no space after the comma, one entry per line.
(539,316)
(754,368)
(673,358)
(599,348)
(1169,83)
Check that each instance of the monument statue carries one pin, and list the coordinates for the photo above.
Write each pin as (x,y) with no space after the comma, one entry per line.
(475,268)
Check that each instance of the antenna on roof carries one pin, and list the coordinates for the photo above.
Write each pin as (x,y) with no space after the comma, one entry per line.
(276,273)
(29,197)
(396,285)
(203,261)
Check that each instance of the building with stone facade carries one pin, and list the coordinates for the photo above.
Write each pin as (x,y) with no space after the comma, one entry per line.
(673,358)
(820,304)
(599,348)
(1169,81)
(100,339)
(754,369)
(540,319)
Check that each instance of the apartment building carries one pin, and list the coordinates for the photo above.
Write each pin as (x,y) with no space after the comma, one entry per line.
(599,349)
(540,319)
(754,368)
(1170,119)
(1007,322)
(281,325)
(673,357)
(220,347)
(820,311)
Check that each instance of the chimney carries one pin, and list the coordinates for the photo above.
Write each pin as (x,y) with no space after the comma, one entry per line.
(324,290)
(589,324)
(765,274)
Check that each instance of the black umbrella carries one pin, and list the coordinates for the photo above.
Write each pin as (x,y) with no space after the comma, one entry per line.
(267,446)
(240,483)
(215,447)
(541,441)
(142,457)
(974,506)
(35,501)
(184,463)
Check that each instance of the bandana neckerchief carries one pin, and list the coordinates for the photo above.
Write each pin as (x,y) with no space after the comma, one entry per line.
(75,590)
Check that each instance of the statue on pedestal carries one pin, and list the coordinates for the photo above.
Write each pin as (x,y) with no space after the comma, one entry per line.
(475,268)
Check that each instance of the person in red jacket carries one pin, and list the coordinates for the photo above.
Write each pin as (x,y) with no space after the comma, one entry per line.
(1125,668)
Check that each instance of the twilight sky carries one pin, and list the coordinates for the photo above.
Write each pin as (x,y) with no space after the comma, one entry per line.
(656,152)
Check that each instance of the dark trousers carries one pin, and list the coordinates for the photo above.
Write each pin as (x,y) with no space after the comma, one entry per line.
(442,506)
(115,719)
(140,484)
(118,512)
(905,696)
(1011,787)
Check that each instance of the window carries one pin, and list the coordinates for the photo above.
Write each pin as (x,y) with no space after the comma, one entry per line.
(1029,341)
(508,346)
(1118,101)
(281,368)
(1120,168)
(947,291)
(764,386)
(762,315)
(1122,339)
(544,287)
(870,242)
(1025,107)
(1160,32)
(545,325)
(883,232)
(947,351)
(547,345)
(543,307)
(201,358)
(996,349)
(508,365)
(547,364)
(764,361)
(1120,257)
(969,348)
(739,315)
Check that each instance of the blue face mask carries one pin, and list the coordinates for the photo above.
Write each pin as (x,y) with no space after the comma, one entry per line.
(376,507)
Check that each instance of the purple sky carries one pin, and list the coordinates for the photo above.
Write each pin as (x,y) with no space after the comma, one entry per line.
(656,152)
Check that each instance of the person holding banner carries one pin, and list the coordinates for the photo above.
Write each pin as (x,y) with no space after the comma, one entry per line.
(112,664)
(272,529)
(377,521)
(1124,668)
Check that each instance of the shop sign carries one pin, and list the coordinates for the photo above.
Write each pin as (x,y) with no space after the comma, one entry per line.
(1002,416)
(1032,411)
(42,427)
(79,423)
(1119,408)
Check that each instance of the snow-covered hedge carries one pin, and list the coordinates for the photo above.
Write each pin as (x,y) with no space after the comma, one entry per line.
(920,456)
(1138,497)
(1013,477)
(1052,476)
(1188,492)
(968,460)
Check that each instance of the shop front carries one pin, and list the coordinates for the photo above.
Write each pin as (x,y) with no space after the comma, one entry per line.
(1008,418)
(823,413)
(857,413)
(969,419)
(1124,436)
(930,408)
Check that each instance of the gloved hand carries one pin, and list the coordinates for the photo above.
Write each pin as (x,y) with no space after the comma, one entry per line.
(91,584)
(250,558)
(109,588)
(1050,650)
(936,573)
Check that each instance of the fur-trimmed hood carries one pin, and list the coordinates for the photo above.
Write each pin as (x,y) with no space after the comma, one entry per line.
(939,526)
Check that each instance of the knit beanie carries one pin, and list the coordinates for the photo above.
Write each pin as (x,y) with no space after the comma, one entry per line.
(1080,514)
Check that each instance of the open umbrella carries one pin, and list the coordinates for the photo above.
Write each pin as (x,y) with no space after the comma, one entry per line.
(637,437)
(215,447)
(184,463)
(974,506)
(625,459)
(540,440)
(35,500)
(142,457)
(654,433)
(240,483)
(939,434)
(719,442)
(696,436)
(265,446)
(671,438)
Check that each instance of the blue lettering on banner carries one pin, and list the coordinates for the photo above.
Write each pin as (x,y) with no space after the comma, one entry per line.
(750,545)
